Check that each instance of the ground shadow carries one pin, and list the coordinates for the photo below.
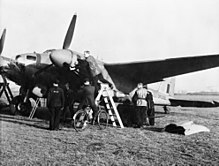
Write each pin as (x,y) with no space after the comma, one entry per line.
(156,129)
(41,112)
(24,121)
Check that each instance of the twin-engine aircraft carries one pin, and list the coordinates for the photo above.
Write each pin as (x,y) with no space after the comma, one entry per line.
(35,72)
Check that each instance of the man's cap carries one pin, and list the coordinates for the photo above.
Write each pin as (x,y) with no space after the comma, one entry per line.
(56,81)
(140,85)
(86,79)
(87,52)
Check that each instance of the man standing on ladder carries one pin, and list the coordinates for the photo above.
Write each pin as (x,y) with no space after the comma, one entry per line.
(95,71)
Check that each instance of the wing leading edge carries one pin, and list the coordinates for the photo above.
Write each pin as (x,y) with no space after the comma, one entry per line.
(154,71)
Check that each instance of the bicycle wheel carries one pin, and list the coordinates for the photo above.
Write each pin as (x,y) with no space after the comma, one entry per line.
(102,119)
(80,120)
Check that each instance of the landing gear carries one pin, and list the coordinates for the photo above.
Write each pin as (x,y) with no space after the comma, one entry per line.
(166,109)
(17,106)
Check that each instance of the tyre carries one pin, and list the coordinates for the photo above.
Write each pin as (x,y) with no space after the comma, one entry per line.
(14,105)
(102,119)
(17,106)
(80,120)
(166,109)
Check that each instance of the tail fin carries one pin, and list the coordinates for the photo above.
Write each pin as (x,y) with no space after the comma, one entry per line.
(167,86)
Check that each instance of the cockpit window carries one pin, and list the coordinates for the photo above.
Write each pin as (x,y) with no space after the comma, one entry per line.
(30,57)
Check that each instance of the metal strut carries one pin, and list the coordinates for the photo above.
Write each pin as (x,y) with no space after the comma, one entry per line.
(4,86)
(34,108)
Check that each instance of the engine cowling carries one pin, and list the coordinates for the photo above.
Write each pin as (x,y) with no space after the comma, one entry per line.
(60,57)
(39,91)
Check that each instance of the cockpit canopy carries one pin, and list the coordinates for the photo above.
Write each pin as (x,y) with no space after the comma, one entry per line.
(27,58)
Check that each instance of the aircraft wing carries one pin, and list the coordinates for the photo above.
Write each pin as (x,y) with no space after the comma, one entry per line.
(154,71)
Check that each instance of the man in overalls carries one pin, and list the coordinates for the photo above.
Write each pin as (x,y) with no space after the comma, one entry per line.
(139,99)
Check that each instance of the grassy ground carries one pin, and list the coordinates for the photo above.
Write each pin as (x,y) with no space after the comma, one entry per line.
(28,142)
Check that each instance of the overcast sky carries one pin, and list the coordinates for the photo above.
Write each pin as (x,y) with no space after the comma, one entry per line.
(119,31)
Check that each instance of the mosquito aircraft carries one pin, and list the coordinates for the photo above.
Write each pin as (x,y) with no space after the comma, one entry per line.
(35,72)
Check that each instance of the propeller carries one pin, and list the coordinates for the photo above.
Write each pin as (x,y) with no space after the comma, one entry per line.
(61,56)
(55,54)
(70,32)
(2,41)
(67,42)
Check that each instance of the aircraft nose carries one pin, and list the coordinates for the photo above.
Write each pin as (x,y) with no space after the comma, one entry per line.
(59,57)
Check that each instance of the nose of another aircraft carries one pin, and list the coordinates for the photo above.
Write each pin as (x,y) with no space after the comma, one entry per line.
(59,57)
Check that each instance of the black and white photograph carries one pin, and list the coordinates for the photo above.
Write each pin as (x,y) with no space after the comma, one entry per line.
(109,82)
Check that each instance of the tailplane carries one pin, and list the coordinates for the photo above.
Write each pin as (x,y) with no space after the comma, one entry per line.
(168,86)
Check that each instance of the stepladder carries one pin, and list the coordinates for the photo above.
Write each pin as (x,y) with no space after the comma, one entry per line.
(34,108)
(106,94)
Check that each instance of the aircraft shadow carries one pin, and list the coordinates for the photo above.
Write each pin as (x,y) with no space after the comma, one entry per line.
(19,117)
(158,112)
(41,124)
(41,113)
(155,129)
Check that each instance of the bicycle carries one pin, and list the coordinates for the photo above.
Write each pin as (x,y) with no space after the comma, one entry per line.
(82,118)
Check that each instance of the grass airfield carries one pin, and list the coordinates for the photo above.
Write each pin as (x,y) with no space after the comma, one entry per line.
(29,142)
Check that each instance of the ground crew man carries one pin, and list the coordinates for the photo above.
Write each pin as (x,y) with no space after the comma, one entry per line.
(87,95)
(95,71)
(94,68)
(151,111)
(69,99)
(139,99)
(55,103)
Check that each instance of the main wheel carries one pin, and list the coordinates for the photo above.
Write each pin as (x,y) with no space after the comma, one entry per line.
(18,106)
(102,119)
(166,109)
(80,120)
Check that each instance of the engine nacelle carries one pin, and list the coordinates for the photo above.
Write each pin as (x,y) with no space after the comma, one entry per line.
(39,91)
(60,57)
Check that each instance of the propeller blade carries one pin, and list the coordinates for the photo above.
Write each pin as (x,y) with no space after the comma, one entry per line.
(2,41)
(70,32)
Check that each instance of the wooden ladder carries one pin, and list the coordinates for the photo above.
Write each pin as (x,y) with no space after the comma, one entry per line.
(110,105)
